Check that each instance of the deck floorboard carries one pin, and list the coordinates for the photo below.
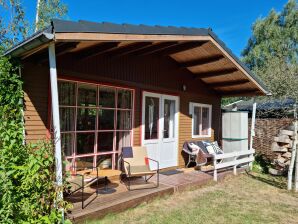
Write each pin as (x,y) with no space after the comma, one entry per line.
(122,199)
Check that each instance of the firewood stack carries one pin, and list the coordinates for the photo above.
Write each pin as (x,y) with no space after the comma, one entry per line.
(282,148)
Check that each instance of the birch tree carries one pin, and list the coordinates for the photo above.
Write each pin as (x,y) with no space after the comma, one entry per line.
(47,10)
(13,24)
(272,53)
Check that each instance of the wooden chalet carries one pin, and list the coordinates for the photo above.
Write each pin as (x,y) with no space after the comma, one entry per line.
(102,86)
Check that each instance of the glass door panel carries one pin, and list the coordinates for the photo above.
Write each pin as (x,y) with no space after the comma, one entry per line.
(169,118)
(151,117)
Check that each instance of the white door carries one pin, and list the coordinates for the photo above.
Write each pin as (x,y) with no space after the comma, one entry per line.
(160,128)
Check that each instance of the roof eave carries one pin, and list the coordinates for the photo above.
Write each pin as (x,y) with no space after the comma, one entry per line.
(265,90)
(29,44)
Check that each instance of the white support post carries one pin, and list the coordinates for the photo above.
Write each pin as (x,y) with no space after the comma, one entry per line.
(252,129)
(56,119)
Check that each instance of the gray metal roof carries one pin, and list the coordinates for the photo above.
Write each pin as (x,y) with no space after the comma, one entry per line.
(65,26)
(262,104)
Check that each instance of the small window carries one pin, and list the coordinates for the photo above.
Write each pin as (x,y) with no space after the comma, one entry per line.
(201,119)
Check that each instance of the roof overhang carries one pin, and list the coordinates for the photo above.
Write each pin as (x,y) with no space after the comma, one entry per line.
(198,50)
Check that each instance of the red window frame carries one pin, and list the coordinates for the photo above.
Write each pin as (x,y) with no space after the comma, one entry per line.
(95,153)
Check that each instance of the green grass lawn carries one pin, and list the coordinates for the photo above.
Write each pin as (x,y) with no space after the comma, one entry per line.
(254,198)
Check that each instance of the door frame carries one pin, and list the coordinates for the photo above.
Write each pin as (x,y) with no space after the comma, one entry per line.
(161,97)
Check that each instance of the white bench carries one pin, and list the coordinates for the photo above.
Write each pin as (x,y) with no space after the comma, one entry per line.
(248,158)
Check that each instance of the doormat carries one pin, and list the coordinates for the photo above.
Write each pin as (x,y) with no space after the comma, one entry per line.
(171,172)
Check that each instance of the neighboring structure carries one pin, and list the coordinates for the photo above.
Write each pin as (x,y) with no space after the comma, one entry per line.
(272,117)
(122,85)
(266,108)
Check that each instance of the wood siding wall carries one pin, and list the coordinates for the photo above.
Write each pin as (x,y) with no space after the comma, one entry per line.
(156,74)
(36,84)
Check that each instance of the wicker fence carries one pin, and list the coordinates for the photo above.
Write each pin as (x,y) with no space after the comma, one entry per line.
(266,129)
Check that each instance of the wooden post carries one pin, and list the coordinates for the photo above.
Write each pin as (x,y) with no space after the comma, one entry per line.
(56,120)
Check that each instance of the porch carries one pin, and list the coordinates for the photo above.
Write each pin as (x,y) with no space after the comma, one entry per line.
(120,199)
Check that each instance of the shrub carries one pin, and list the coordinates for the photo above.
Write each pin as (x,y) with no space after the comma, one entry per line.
(261,164)
(27,172)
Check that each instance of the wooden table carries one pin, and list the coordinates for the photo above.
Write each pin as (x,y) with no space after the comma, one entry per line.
(106,173)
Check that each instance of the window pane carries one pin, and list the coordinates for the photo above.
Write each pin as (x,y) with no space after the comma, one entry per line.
(105,141)
(124,99)
(106,97)
(205,121)
(123,139)
(106,119)
(104,162)
(67,144)
(85,143)
(151,117)
(86,119)
(84,162)
(66,92)
(87,95)
(169,118)
(67,118)
(196,120)
(123,120)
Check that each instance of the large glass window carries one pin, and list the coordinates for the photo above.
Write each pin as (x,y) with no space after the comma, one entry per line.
(201,120)
(96,122)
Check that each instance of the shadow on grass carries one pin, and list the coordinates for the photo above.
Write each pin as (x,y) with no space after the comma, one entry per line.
(278,182)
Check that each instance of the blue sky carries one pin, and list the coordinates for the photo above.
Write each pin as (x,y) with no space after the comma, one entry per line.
(231,20)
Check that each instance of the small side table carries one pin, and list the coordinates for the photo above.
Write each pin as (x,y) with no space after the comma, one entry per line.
(106,174)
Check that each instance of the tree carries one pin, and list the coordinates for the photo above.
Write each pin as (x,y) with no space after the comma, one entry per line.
(272,51)
(47,10)
(15,27)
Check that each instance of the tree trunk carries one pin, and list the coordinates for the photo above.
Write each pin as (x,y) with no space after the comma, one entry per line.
(294,154)
(295,146)
(37,15)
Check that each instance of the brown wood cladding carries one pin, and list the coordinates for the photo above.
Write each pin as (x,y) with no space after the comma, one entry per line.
(143,73)
(36,82)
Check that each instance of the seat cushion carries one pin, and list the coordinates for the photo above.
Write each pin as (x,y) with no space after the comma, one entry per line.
(140,170)
(202,146)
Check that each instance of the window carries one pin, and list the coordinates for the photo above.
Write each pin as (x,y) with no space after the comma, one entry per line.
(95,122)
(201,119)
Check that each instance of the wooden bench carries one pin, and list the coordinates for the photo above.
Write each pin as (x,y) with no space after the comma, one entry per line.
(246,156)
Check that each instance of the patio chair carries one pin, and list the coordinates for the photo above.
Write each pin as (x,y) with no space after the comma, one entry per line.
(195,154)
(136,164)
(82,177)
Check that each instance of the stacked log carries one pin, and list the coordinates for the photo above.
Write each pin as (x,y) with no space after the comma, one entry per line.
(282,148)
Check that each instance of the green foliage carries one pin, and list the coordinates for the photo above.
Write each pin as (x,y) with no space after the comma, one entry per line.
(27,172)
(11,95)
(261,164)
(15,27)
(272,51)
(49,9)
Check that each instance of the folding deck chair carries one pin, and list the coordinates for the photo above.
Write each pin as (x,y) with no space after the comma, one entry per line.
(136,164)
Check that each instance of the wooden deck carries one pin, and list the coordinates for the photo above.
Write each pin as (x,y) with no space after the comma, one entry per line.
(120,199)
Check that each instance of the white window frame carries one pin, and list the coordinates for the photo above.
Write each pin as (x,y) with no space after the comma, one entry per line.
(192,105)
